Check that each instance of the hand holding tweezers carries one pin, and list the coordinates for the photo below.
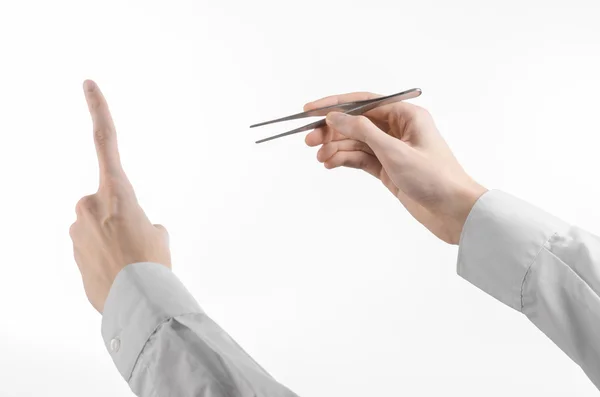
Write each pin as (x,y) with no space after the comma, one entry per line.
(353,108)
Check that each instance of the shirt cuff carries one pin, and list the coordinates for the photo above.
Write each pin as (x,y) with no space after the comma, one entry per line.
(143,296)
(501,239)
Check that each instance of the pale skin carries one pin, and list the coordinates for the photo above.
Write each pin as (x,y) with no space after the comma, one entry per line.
(398,143)
(111,230)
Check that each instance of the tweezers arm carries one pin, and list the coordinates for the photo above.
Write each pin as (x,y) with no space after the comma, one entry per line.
(311,113)
(347,107)
(375,103)
(306,127)
(352,108)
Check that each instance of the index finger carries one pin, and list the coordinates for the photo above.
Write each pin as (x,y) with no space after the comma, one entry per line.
(324,134)
(105,135)
(339,99)
(343,98)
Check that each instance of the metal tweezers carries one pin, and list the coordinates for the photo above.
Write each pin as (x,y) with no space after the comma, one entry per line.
(352,108)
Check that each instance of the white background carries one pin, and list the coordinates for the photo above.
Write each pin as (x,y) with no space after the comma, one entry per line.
(320,275)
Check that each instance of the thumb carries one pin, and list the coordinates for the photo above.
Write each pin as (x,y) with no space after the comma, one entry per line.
(362,129)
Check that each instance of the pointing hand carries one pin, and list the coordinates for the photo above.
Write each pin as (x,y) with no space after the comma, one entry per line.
(111,230)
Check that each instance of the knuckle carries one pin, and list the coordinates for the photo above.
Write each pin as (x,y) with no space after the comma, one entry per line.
(362,122)
(353,162)
(114,217)
(411,116)
(162,229)
(421,114)
(113,220)
(100,136)
(358,145)
(344,160)
(86,204)
(72,231)
(362,162)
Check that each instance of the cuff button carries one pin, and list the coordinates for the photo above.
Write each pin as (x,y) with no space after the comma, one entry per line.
(115,345)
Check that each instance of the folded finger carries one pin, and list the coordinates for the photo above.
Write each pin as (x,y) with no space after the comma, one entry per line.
(322,135)
(87,205)
(357,159)
(346,145)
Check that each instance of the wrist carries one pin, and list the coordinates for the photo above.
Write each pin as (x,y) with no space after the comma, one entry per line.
(464,198)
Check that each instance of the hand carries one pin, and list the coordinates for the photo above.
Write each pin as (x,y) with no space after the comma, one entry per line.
(400,145)
(111,230)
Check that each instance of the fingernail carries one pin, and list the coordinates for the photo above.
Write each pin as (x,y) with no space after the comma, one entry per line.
(336,117)
(89,86)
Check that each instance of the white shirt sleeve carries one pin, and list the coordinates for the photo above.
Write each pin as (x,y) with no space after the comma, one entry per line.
(541,266)
(164,344)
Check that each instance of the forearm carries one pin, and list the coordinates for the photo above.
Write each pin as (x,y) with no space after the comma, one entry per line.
(540,266)
(164,344)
